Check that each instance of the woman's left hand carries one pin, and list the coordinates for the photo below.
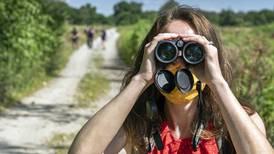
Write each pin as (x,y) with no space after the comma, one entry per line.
(208,71)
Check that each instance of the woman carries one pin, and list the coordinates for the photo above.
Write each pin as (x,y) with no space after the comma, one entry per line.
(123,123)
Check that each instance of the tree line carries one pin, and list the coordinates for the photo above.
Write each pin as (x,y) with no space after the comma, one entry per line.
(125,13)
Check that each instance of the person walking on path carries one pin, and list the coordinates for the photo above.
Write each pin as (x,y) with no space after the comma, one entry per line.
(90,37)
(74,37)
(103,38)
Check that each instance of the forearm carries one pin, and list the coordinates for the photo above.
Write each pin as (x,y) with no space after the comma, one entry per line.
(246,137)
(98,132)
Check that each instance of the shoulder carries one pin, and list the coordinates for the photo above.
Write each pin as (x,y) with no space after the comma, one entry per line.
(257,120)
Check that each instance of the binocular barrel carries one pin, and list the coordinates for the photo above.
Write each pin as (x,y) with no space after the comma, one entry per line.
(167,51)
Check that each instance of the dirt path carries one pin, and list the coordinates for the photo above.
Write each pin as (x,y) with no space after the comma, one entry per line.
(26,128)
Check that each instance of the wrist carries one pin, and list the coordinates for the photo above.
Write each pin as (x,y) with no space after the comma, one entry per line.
(140,80)
(217,82)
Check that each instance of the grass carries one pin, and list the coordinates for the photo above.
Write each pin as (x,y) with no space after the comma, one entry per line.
(38,81)
(61,142)
(93,85)
(91,88)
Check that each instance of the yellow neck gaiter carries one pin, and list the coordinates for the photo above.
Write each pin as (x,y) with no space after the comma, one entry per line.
(178,97)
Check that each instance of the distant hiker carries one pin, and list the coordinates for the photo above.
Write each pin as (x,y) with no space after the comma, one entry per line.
(74,37)
(103,38)
(90,36)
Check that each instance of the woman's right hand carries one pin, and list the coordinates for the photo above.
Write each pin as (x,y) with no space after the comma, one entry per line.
(148,67)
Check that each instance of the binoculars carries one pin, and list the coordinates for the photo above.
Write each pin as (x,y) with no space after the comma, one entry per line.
(167,51)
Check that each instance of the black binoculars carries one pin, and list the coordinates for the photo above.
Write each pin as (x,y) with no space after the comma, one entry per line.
(167,51)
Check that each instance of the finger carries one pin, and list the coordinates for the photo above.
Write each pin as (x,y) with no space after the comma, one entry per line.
(147,45)
(166,34)
(159,37)
(193,35)
(187,35)
(210,50)
(199,39)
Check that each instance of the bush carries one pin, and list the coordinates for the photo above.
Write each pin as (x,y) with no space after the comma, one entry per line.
(28,44)
(131,38)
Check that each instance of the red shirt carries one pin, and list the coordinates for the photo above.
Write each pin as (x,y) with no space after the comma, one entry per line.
(183,146)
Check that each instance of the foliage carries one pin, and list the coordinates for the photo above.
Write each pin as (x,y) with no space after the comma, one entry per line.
(228,17)
(30,37)
(130,39)
(231,18)
(86,15)
(127,13)
(251,56)
(57,10)
(149,15)
(168,5)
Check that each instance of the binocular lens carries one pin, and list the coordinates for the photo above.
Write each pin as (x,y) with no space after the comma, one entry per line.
(193,53)
(184,80)
(166,52)
(165,80)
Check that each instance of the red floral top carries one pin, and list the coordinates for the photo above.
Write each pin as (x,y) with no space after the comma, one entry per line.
(183,146)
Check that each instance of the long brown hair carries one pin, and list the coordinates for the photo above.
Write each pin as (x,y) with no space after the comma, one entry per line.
(136,125)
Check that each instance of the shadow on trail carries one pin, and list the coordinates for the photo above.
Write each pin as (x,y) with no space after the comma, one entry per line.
(32,149)
(11,149)
(58,113)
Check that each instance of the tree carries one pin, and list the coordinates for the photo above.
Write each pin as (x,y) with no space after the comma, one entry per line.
(168,5)
(212,16)
(127,13)
(229,18)
(58,11)
(86,14)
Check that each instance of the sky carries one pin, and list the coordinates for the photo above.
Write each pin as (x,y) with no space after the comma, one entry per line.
(106,6)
